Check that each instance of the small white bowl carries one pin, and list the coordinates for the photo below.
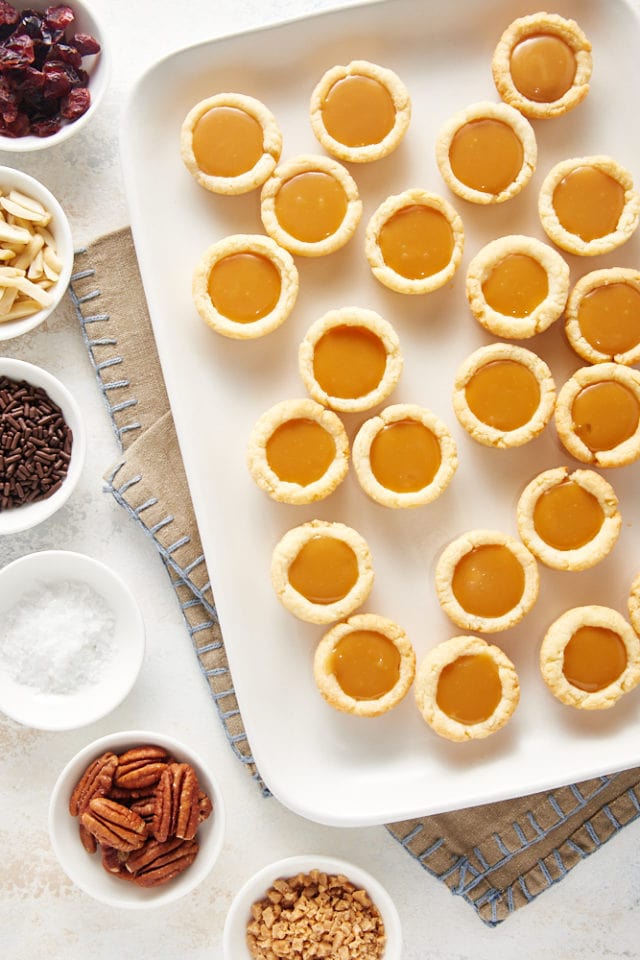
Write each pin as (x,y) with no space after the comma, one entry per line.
(86,870)
(97,66)
(44,710)
(11,179)
(28,515)
(234,943)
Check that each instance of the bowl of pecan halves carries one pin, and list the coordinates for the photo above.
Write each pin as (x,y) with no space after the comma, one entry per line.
(136,819)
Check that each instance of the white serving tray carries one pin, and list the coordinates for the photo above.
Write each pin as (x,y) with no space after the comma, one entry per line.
(326,766)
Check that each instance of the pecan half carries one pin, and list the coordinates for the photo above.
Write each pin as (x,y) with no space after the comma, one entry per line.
(96,781)
(114,825)
(140,767)
(157,863)
(87,839)
(205,806)
(114,862)
(177,806)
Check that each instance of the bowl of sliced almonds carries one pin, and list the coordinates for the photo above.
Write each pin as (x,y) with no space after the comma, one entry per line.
(36,253)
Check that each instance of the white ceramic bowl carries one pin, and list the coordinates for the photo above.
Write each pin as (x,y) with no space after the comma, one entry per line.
(98,67)
(28,515)
(11,179)
(50,573)
(234,936)
(86,870)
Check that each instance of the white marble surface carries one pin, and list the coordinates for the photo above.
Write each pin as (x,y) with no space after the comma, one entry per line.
(591,915)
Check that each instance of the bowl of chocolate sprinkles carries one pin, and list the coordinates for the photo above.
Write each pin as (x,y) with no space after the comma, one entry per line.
(42,445)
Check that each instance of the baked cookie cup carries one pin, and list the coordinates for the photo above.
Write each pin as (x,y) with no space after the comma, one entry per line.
(414,242)
(364,665)
(517,286)
(569,520)
(360,112)
(466,688)
(597,415)
(602,321)
(503,395)
(310,205)
(542,65)
(404,457)
(588,205)
(298,451)
(230,143)
(245,286)
(486,581)
(634,604)
(350,359)
(486,153)
(322,571)
(590,657)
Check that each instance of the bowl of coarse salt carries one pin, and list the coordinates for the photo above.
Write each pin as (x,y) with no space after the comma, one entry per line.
(72,640)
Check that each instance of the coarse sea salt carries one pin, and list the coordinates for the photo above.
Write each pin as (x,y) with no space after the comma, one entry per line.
(57,637)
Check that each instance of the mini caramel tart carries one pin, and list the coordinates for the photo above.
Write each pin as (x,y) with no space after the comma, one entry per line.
(542,65)
(350,359)
(245,286)
(360,112)
(590,657)
(322,571)
(486,153)
(230,143)
(569,521)
(404,457)
(603,316)
(298,451)
(310,205)
(414,242)
(466,688)
(486,581)
(517,286)
(597,415)
(588,205)
(634,604)
(364,665)
(503,395)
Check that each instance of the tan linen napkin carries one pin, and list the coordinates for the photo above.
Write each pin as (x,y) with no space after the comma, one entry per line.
(498,857)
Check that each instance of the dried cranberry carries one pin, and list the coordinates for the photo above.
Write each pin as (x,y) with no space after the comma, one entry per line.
(16,53)
(75,103)
(58,79)
(46,126)
(31,24)
(66,53)
(8,13)
(32,80)
(17,128)
(85,44)
(59,17)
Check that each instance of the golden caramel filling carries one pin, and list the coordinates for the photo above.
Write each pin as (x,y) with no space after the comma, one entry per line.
(325,570)
(405,456)
(516,285)
(605,415)
(488,581)
(349,362)
(416,242)
(588,203)
(358,111)
(609,318)
(300,451)
(311,206)
(594,658)
(469,689)
(244,286)
(566,516)
(542,67)
(227,142)
(504,394)
(486,155)
(366,664)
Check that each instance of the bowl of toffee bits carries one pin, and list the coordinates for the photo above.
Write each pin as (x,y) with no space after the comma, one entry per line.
(42,445)
(312,906)
(54,71)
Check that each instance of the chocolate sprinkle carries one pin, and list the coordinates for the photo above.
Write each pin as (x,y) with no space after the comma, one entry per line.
(35,444)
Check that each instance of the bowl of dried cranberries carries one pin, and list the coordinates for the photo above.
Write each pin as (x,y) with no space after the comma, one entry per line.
(54,71)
